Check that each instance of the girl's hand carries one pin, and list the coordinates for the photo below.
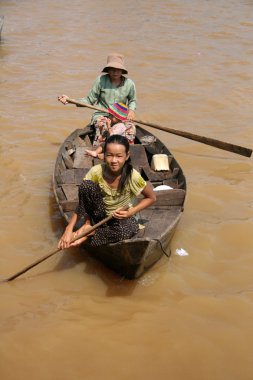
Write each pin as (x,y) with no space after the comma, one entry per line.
(65,239)
(131,115)
(69,235)
(81,231)
(63,99)
(119,214)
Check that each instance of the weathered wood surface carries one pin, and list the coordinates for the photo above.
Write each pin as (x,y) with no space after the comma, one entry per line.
(154,176)
(68,161)
(138,156)
(81,159)
(69,205)
(166,198)
(60,194)
(172,182)
(71,192)
(156,223)
(80,142)
(72,176)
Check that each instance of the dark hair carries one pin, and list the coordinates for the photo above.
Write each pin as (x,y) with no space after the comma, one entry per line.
(128,167)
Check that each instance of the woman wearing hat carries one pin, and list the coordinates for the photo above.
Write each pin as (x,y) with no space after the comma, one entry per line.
(110,88)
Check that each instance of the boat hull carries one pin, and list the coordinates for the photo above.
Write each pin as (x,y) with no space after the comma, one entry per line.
(132,258)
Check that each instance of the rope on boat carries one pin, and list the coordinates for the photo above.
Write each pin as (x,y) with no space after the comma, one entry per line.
(161,246)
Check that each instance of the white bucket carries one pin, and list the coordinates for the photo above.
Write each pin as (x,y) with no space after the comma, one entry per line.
(160,162)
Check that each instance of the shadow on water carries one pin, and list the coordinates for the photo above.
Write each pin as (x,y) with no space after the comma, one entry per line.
(116,284)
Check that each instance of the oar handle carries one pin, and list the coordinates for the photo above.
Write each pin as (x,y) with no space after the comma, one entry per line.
(30,266)
(202,139)
(81,104)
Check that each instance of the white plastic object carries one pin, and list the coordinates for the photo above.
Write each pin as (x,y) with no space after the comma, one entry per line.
(181,252)
(160,162)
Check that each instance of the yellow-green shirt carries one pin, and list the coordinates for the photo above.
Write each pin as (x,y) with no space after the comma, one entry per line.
(113,199)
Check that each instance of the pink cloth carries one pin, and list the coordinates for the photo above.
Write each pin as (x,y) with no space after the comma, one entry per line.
(119,129)
(126,129)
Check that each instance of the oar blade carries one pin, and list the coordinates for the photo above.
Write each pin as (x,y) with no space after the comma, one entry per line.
(202,139)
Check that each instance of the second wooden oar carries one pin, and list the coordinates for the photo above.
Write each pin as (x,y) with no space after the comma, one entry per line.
(202,139)
(93,228)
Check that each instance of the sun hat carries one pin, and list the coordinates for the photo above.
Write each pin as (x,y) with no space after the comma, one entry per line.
(119,110)
(116,61)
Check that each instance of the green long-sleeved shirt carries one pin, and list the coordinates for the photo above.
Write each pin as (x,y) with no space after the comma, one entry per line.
(103,94)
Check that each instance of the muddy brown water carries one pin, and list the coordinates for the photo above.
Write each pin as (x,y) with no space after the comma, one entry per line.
(188,317)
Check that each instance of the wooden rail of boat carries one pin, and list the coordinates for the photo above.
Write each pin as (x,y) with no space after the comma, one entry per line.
(132,257)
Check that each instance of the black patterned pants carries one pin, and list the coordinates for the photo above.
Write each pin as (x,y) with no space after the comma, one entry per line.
(91,204)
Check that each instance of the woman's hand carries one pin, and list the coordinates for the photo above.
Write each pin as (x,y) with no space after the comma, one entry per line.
(63,99)
(131,115)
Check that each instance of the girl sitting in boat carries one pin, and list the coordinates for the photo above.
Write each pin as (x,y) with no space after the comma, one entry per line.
(115,124)
(105,190)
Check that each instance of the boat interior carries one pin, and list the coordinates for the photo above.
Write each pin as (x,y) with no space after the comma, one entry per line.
(72,165)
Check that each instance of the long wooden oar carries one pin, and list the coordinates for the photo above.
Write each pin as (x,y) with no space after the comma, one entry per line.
(91,229)
(202,139)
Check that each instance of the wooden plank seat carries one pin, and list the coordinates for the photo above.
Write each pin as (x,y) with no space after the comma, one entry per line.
(68,206)
(156,176)
(81,159)
(165,201)
(167,198)
(73,155)
(72,176)
(156,223)
(68,197)
(138,156)
(169,203)
(68,160)
(172,182)
(70,191)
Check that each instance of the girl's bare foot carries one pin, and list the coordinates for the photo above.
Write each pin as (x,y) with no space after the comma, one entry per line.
(100,156)
(91,153)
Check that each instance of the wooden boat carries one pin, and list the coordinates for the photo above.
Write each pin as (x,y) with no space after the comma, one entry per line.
(132,257)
